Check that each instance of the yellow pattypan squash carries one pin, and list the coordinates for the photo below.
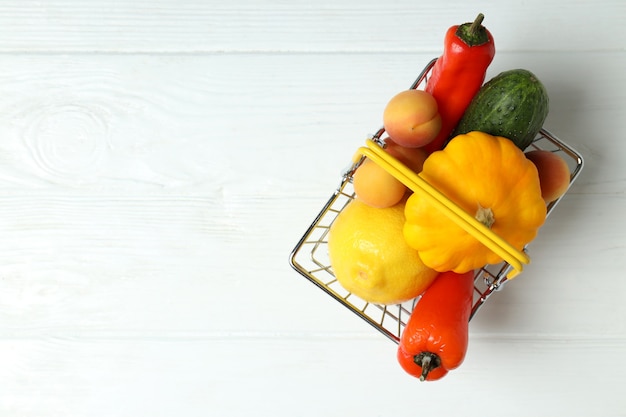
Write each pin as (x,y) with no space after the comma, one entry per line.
(488,177)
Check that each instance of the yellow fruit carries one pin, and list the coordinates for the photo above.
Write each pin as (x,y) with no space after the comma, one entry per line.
(370,257)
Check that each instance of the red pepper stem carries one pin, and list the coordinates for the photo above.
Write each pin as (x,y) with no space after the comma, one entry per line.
(476,24)
(473,34)
(427,361)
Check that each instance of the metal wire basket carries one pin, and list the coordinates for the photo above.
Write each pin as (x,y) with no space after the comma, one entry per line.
(310,256)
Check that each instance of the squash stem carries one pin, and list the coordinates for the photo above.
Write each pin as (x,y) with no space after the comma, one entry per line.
(485,216)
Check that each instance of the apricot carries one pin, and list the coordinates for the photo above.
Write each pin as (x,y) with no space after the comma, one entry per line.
(411,118)
(554,173)
(376,187)
(413,158)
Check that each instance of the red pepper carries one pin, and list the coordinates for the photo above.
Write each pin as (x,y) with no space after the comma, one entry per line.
(458,74)
(435,338)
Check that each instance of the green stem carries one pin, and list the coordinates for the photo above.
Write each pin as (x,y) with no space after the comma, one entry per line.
(473,34)
(475,27)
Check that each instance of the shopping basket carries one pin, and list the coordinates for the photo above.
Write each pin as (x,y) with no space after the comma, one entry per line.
(310,255)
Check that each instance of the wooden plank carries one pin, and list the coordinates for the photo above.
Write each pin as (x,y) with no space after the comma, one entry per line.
(304,377)
(112,122)
(97,264)
(162,26)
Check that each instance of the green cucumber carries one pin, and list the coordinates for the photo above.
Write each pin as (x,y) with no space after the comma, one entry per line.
(513,104)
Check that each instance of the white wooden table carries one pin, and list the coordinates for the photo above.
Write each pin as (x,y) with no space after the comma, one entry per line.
(160,159)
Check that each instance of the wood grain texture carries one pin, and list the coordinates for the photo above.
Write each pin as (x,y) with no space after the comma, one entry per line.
(193,377)
(159,160)
(193,26)
(143,185)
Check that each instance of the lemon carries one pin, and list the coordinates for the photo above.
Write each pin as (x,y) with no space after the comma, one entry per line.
(371,259)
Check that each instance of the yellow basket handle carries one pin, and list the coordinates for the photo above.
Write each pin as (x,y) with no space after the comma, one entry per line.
(417,184)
